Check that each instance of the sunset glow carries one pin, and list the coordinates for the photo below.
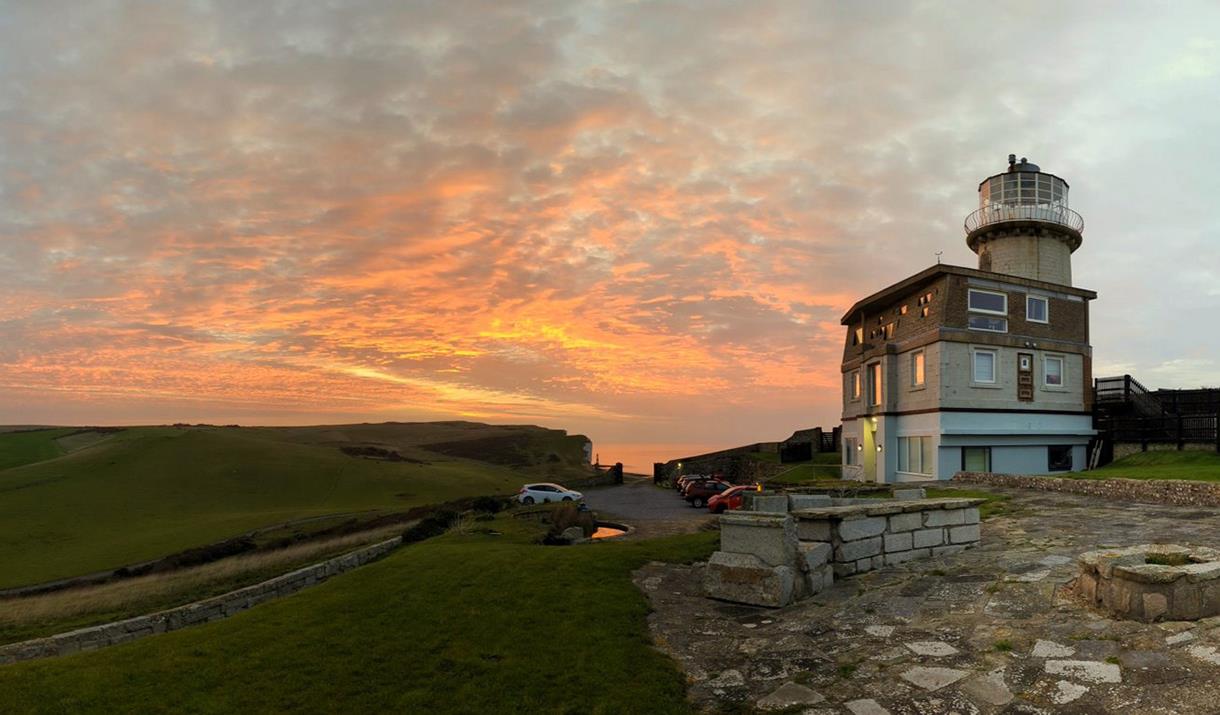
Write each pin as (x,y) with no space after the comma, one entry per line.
(640,222)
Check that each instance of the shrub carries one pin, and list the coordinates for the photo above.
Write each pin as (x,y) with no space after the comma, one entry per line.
(567,515)
(487,505)
(434,524)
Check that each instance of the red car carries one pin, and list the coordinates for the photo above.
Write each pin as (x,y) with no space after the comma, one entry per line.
(727,499)
(699,492)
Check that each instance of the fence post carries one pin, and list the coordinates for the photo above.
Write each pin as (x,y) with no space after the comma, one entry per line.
(1216,430)
(1181,436)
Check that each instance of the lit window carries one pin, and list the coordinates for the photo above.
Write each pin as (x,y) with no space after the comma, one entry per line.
(984,366)
(857,336)
(925,311)
(1036,309)
(915,455)
(855,385)
(986,302)
(1052,372)
(888,331)
(902,310)
(988,323)
(917,368)
(874,384)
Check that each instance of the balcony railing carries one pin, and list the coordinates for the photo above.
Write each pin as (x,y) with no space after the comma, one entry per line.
(1001,213)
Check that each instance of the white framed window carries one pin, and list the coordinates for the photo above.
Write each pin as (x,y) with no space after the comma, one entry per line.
(984,367)
(850,447)
(985,301)
(1037,309)
(915,455)
(917,369)
(874,384)
(1052,371)
(855,385)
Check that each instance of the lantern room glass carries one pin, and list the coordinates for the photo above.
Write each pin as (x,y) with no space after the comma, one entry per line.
(1024,188)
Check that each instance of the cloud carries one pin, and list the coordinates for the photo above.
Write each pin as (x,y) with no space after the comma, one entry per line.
(637,220)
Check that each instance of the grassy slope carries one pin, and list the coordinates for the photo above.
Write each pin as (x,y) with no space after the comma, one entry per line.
(148,492)
(19,448)
(465,623)
(1198,466)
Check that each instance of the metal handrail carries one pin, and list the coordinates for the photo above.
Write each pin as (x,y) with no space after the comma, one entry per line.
(1000,213)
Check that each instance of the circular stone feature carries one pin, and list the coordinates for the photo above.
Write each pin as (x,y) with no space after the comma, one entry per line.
(1152,582)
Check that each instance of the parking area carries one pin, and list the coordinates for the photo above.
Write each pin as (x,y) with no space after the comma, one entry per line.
(652,510)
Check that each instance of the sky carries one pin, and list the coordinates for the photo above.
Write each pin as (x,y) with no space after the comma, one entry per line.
(640,221)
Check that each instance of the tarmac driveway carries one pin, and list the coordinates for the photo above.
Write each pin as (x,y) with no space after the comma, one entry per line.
(652,510)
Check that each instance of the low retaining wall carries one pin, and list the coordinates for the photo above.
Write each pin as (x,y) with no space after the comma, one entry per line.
(1153,491)
(771,557)
(212,609)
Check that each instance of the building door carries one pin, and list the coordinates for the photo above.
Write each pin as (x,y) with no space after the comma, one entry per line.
(869,457)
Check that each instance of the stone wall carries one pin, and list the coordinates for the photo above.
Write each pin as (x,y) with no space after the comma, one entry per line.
(212,609)
(1153,491)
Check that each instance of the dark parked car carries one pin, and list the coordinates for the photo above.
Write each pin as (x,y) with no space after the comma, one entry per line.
(699,492)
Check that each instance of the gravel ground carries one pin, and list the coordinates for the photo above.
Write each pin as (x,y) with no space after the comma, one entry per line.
(652,510)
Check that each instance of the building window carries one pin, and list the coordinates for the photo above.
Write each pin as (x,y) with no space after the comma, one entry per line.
(982,301)
(1059,458)
(985,366)
(1037,309)
(855,385)
(850,449)
(915,455)
(976,459)
(925,311)
(874,384)
(888,331)
(1052,371)
(857,336)
(902,310)
(988,323)
(917,369)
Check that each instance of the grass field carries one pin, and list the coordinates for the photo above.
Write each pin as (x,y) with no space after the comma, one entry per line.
(468,622)
(147,492)
(1191,465)
(18,448)
(824,466)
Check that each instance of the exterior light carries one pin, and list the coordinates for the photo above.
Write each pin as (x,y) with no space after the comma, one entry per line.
(878,448)
(874,420)
(859,448)
(758,487)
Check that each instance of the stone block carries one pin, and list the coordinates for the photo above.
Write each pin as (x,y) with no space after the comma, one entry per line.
(927,537)
(964,534)
(971,515)
(813,529)
(947,550)
(819,580)
(898,557)
(864,565)
(842,569)
(909,494)
(770,537)
(1155,605)
(814,555)
(944,517)
(1186,603)
(863,528)
(766,503)
(898,542)
(856,550)
(743,578)
(807,501)
(906,522)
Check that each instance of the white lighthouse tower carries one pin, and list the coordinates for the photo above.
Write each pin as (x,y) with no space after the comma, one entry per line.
(1023,226)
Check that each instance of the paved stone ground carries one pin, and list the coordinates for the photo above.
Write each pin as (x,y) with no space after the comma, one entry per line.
(991,630)
(652,510)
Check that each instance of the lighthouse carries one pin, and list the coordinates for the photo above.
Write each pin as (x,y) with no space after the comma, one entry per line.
(1023,226)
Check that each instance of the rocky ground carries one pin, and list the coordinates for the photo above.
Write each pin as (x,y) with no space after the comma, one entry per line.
(992,630)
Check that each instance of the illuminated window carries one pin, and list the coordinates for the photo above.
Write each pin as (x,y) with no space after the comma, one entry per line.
(888,331)
(855,385)
(917,368)
(925,311)
(1037,309)
(984,366)
(857,336)
(874,384)
(1052,371)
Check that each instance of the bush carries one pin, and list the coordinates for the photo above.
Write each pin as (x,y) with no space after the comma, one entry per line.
(567,515)
(434,524)
(486,505)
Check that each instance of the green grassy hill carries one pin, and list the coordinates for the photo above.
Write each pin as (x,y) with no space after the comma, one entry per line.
(147,492)
(469,622)
(1201,466)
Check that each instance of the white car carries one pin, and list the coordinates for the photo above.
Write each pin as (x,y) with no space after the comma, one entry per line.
(545,491)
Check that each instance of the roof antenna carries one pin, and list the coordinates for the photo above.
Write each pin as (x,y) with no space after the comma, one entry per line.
(938,257)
